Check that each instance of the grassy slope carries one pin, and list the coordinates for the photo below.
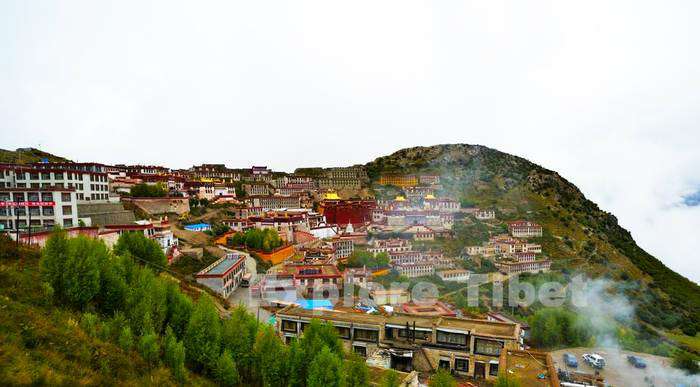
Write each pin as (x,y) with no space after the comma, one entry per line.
(43,344)
(26,157)
(578,235)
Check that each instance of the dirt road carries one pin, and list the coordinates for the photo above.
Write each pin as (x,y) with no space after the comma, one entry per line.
(619,372)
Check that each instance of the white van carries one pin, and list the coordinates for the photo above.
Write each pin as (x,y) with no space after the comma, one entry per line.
(594,360)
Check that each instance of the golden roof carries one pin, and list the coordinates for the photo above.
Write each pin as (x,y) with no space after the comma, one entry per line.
(331,196)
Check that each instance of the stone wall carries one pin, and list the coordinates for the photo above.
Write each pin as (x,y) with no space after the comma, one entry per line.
(105,213)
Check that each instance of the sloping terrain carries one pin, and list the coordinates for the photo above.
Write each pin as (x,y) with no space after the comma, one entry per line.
(27,156)
(579,236)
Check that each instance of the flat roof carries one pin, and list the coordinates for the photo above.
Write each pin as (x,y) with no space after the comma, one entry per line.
(484,328)
(222,265)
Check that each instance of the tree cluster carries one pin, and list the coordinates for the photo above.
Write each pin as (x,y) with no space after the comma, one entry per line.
(257,239)
(555,327)
(144,190)
(360,258)
(130,305)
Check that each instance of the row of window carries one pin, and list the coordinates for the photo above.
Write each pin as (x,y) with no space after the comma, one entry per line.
(56,176)
(34,211)
(9,224)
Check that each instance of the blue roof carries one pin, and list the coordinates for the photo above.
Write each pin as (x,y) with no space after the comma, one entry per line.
(315,304)
(196,226)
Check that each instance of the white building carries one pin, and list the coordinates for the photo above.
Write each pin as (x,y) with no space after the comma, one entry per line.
(88,186)
(44,208)
(225,275)
(413,270)
(485,214)
(455,275)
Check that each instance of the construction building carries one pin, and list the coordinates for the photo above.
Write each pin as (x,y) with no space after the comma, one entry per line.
(405,342)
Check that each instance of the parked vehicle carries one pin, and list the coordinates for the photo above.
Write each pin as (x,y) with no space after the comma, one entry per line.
(636,361)
(245,281)
(595,360)
(570,360)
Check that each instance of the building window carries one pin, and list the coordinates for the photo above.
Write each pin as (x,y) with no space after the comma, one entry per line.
(444,364)
(360,350)
(289,326)
(420,335)
(366,335)
(451,338)
(65,197)
(67,210)
(68,222)
(343,332)
(487,347)
(493,369)
(58,176)
(462,365)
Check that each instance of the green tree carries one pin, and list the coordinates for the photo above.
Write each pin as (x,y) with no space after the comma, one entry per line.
(226,372)
(326,370)
(270,354)
(53,259)
(149,348)
(142,249)
(81,272)
(318,335)
(442,378)
(149,190)
(126,339)
(238,337)
(356,372)
(179,309)
(174,355)
(552,327)
(297,366)
(203,335)
(114,290)
(147,305)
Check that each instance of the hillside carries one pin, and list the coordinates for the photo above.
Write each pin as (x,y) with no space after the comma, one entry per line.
(27,155)
(42,344)
(578,236)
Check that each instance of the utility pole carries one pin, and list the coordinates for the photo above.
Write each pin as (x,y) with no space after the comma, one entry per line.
(29,223)
(16,208)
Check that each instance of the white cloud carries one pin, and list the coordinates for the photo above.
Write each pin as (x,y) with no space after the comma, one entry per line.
(604,92)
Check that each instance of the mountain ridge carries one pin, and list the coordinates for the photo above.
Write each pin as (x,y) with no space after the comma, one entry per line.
(488,177)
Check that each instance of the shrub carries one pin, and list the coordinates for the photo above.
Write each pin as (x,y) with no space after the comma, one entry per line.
(126,339)
(88,323)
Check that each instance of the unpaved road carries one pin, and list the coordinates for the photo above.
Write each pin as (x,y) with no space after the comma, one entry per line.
(619,372)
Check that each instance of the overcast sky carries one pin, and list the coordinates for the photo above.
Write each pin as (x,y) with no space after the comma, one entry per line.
(605,92)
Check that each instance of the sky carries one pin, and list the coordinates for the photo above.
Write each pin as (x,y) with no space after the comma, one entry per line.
(607,93)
